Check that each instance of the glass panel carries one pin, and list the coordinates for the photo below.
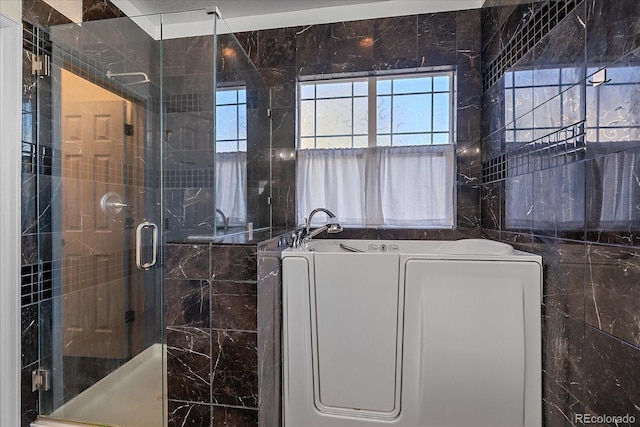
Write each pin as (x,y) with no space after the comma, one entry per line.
(441,112)
(360,141)
(360,88)
(334,142)
(227,122)
(333,117)
(226,97)
(412,85)
(105,136)
(383,123)
(415,139)
(384,87)
(441,84)
(360,116)
(307,118)
(307,91)
(411,113)
(332,90)
(307,143)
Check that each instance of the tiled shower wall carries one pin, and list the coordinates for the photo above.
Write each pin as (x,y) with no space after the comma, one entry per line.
(560,168)
(450,39)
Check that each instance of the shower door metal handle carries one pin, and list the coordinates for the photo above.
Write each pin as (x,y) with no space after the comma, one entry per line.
(154,245)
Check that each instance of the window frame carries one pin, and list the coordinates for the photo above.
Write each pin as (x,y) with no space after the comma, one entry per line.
(372,105)
(372,134)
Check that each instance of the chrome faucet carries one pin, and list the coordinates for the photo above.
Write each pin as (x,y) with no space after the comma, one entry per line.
(224,219)
(330,227)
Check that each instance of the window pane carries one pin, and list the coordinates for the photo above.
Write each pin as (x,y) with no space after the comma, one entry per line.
(226,146)
(384,87)
(307,143)
(412,85)
(226,97)
(226,122)
(242,96)
(441,109)
(411,113)
(441,138)
(307,118)
(360,141)
(415,139)
(242,121)
(383,124)
(307,91)
(441,84)
(332,90)
(360,119)
(334,142)
(333,117)
(361,88)
(384,141)
(242,145)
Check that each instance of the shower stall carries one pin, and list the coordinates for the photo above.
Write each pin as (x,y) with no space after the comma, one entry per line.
(145,129)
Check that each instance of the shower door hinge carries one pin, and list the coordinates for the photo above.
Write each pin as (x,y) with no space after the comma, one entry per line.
(40,65)
(40,380)
(268,112)
(128,129)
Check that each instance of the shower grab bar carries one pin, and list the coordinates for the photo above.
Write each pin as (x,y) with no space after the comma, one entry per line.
(154,245)
(139,73)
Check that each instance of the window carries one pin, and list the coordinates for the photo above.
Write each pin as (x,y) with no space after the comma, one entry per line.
(231,154)
(378,150)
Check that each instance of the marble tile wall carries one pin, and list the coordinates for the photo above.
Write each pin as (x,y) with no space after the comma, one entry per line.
(559,180)
(223,334)
(430,40)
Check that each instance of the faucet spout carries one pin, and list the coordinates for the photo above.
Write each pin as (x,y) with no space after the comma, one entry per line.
(225,221)
(330,227)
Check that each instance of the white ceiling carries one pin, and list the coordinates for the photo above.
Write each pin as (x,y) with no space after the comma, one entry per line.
(247,15)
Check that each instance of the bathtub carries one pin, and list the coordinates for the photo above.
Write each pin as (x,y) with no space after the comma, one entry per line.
(411,334)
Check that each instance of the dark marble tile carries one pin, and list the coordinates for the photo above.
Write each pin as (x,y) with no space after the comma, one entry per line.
(468,206)
(234,373)
(40,13)
(314,48)
(284,128)
(29,400)
(234,305)
(436,36)
(284,206)
(352,41)
(560,407)
(611,30)
(269,298)
(405,234)
(558,207)
(93,10)
(269,372)
(394,39)
(233,417)
(492,203)
(611,300)
(30,335)
(563,48)
(233,263)
(187,261)
(564,276)
(189,364)
(183,414)
(611,379)
(249,42)
(188,303)
(562,352)
(277,48)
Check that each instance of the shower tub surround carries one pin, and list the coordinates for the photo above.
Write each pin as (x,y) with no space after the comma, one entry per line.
(223,331)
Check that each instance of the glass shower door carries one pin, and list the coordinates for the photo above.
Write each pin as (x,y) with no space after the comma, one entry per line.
(101,336)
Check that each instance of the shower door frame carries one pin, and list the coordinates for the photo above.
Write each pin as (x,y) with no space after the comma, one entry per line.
(10,108)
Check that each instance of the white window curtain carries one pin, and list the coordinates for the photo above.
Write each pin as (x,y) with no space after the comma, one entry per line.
(231,186)
(396,186)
